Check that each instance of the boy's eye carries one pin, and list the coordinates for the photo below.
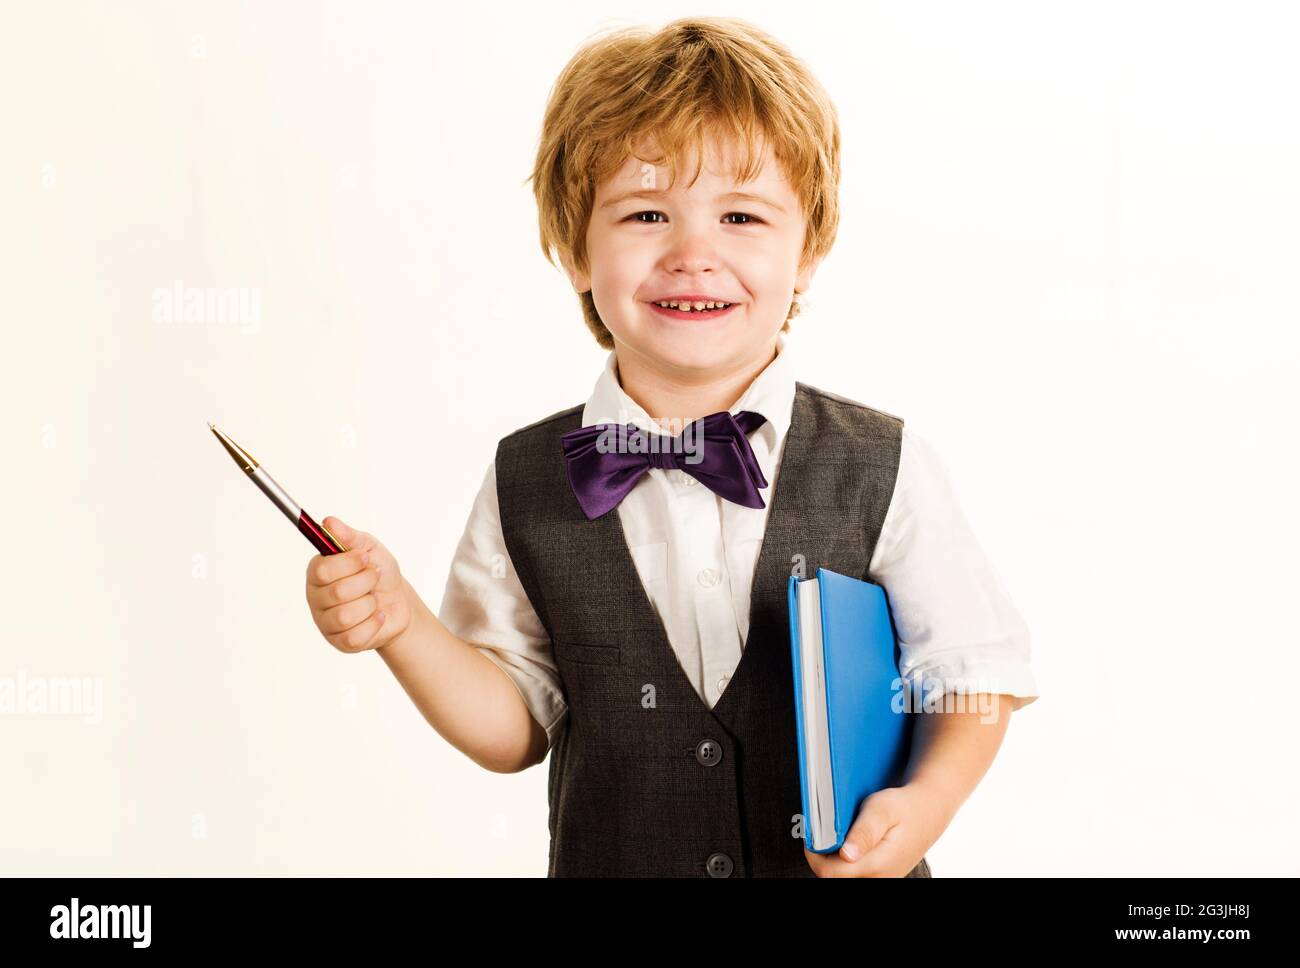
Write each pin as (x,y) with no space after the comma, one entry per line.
(745,215)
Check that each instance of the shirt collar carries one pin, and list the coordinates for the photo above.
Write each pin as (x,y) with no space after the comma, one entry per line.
(771,393)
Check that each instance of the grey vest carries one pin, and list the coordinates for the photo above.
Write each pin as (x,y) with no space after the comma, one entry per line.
(646,779)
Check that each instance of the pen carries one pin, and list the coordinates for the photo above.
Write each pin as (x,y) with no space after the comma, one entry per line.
(317,534)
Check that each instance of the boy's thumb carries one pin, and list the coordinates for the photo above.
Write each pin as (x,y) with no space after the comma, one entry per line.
(340,530)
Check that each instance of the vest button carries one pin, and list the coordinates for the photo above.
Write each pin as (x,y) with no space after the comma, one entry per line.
(719,865)
(708,752)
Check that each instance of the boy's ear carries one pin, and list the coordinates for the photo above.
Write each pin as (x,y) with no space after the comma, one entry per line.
(804,279)
(579,280)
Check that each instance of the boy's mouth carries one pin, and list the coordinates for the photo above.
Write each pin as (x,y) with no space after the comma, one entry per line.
(691,309)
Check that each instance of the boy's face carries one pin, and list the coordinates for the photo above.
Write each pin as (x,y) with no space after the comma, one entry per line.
(646,244)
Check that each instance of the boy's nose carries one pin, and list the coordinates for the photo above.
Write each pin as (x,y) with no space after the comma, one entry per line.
(692,253)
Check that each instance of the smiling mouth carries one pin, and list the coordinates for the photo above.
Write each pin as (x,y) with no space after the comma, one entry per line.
(687,310)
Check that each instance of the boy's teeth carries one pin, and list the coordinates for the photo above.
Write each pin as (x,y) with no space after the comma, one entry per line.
(692,307)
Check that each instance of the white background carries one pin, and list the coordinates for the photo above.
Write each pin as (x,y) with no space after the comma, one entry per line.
(1067,254)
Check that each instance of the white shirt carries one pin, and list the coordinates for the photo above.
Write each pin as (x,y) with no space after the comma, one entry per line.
(696,553)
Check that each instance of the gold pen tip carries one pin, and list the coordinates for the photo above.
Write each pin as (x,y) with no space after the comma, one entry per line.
(241,457)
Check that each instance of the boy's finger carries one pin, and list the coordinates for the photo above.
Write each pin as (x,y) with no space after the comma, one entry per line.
(344,590)
(345,617)
(356,638)
(341,530)
(324,569)
(873,820)
(351,537)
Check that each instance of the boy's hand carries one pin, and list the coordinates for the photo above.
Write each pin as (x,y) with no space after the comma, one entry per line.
(893,830)
(358,599)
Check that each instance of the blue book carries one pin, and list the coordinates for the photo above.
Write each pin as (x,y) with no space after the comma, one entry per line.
(854,727)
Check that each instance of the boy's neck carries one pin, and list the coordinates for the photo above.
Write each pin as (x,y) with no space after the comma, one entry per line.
(671,398)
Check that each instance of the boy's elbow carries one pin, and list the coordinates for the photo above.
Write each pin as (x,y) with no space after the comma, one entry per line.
(538,745)
(515,760)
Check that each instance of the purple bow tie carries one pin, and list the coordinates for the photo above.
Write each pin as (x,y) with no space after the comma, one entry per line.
(605,460)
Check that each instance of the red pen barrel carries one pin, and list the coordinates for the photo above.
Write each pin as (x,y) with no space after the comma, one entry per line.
(317,534)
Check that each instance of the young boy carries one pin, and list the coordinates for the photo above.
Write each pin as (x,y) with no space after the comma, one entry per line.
(619,600)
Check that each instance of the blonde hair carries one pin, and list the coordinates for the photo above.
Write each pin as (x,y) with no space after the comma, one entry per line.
(697,77)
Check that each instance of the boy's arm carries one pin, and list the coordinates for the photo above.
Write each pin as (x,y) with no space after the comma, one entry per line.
(952,750)
(465,696)
(958,630)
(481,670)
(960,637)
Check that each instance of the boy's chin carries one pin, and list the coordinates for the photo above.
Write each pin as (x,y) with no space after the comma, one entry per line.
(693,351)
